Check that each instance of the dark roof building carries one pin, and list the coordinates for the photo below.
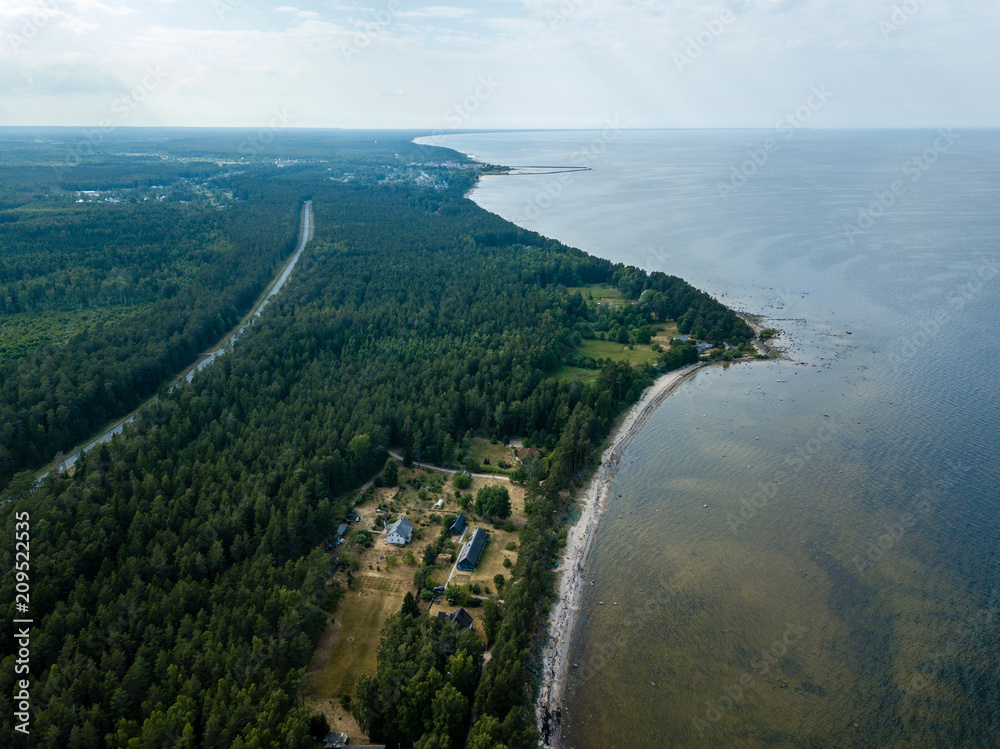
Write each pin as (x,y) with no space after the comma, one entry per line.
(458,527)
(472,551)
(334,740)
(462,618)
(341,530)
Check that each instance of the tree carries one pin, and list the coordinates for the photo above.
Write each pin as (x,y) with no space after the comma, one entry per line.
(461,481)
(499,580)
(486,734)
(319,726)
(492,616)
(410,607)
(391,472)
(493,502)
(360,445)
(450,711)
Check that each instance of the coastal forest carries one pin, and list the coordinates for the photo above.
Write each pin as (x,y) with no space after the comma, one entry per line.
(178,577)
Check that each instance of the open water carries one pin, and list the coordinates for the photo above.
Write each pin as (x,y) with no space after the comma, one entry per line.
(801,553)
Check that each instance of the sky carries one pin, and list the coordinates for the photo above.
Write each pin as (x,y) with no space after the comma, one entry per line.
(499,64)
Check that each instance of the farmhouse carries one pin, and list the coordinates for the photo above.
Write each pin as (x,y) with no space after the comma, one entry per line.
(461,617)
(399,533)
(458,527)
(472,551)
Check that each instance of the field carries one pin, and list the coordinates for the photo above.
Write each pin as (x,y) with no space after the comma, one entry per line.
(598,349)
(383,577)
(599,294)
(481,450)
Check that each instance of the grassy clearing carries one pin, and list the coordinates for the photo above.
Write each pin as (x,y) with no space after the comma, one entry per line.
(666,333)
(596,292)
(482,450)
(597,349)
(348,646)
(566,373)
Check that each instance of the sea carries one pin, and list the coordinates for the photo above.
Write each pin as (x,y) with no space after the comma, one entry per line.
(800,552)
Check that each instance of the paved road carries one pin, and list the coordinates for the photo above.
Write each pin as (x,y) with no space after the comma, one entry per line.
(226,344)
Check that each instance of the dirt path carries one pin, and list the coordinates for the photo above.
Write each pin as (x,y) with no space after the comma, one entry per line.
(452,471)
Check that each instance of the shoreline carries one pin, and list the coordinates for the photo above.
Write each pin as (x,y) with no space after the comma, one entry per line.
(579,542)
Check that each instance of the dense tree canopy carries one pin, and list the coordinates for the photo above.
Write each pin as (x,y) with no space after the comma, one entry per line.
(176,582)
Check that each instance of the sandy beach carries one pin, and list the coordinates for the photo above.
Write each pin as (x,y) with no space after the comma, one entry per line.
(578,544)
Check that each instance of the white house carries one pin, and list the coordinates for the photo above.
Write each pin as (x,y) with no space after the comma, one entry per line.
(399,533)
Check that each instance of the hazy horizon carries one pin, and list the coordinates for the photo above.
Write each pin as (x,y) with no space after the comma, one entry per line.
(500,64)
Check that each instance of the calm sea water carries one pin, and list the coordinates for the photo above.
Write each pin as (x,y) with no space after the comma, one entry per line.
(801,553)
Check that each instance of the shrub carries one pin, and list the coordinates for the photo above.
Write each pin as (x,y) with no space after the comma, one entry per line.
(493,502)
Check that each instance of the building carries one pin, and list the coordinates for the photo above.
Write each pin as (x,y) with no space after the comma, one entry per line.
(335,740)
(703,347)
(439,504)
(461,617)
(341,530)
(458,527)
(472,551)
(681,338)
(399,533)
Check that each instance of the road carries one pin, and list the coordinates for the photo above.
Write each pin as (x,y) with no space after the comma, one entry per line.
(452,471)
(224,345)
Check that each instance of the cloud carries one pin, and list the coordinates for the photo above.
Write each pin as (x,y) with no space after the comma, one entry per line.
(562,61)
(56,79)
(437,11)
